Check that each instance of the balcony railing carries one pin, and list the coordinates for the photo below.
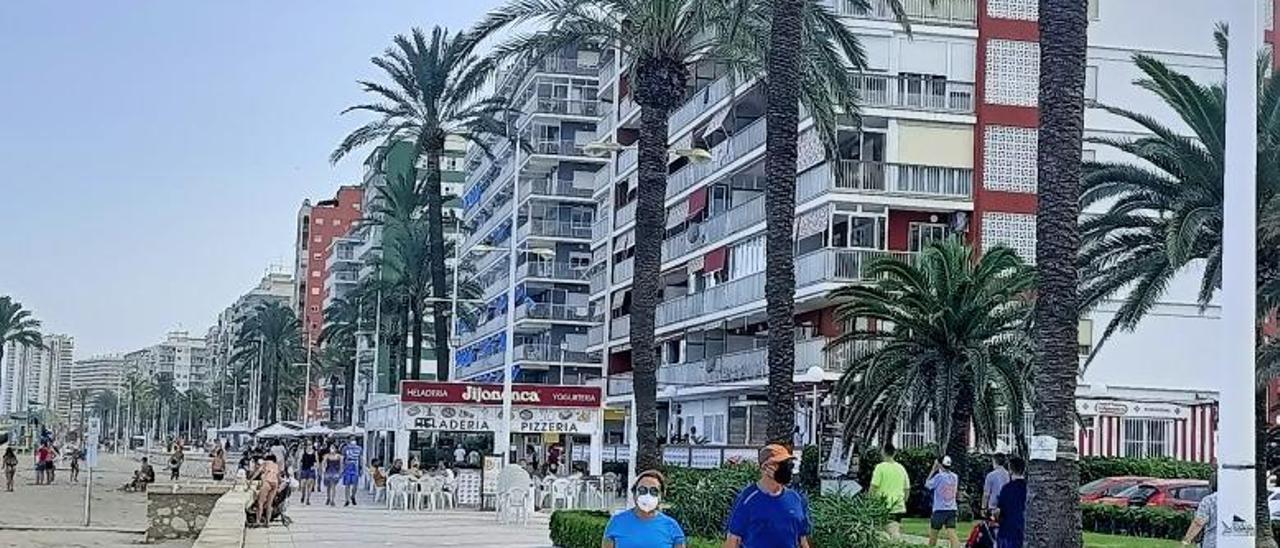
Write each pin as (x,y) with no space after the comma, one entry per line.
(840,265)
(601,228)
(562,147)
(487,328)
(608,70)
(481,232)
(620,327)
(725,296)
(602,180)
(884,177)
(604,127)
(715,228)
(344,276)
(554,228)
(555,270)
(698,103)
(629,105)
(624,215)
(552,353)
(599,281)
(941,12)
(743,142)
(553,311)
(745,365)
(562,105)
(548,186)
(565,65)
(595,335)
(623,270)
(914,92)
(626,159)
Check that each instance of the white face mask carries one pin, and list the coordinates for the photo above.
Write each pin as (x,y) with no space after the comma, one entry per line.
(648,503)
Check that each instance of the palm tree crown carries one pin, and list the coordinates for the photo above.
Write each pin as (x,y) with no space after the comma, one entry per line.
(17,325)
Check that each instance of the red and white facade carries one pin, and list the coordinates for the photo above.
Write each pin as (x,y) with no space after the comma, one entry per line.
(318,226)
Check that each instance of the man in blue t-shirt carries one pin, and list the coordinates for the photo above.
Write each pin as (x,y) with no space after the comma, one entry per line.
(1011,506)
(351,454)
(767,514)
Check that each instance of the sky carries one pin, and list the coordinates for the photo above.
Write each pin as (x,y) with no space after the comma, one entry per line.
(153,154)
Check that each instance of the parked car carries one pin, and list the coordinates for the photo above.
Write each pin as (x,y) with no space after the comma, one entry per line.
(1174,494)
(1108,487)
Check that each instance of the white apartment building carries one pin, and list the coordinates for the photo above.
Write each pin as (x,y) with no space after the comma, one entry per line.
(534,196)
(276,286)
(98,374)
(33,378)
(181,358)
(946,145)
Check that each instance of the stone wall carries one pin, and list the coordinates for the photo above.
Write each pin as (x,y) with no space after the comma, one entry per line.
(180,510)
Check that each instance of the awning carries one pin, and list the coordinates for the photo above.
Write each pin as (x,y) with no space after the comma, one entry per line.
(678,213)
(349,431)
(717,121)
(276,430)
(696,264)
(632,182)
(618,298)
(697,202)
(715,260)
(813,222)
(625,241)
(315,430)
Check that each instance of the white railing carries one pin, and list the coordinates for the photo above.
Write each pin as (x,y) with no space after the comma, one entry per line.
(599,281)
(562,105)
(554,228)
(557,270)
(481,232)
(562,147)
(595,335)
(608,70)
(698,103)
(839,265)
(742,143)
(601,180)
(553,311)
(604,126)
(623,270)
(626,159)
(942,12)
(551,353)
(745,365)
(484,329)
(624,215)
(548,186)
(714,229)
(628,106)
(884,177)
(914,93)
(601,228)
(620,327)
(725,296)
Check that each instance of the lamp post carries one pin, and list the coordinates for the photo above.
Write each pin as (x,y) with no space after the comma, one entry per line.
(1239,258)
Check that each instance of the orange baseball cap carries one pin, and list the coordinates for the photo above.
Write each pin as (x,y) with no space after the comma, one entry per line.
(774,453)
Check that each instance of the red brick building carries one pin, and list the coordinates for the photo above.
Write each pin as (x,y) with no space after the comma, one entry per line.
(318,225)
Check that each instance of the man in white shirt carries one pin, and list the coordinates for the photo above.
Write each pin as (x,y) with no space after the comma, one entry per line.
(459,455)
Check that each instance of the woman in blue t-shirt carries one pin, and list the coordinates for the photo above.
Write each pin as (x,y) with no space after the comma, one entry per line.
(644,526)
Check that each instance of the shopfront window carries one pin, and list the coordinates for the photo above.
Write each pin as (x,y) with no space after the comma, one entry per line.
(1148,438)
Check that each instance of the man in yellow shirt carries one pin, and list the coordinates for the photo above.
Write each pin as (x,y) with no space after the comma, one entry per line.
(890,481)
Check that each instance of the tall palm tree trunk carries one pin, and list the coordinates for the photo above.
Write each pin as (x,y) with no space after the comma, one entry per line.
(402,367)
(415,368)
(435,236)
(782,117)
(1053,520)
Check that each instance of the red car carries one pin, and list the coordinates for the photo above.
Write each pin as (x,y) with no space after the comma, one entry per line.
(1174,494)
(1108,487)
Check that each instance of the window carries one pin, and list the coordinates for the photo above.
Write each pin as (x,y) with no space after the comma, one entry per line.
(922,234)
(1084,336)
(337,222)
(1193,494)
(318,239)
(1147,438)
(857,231)
(314,308)
(1092,10)
(317,256)
(1091,83)
(914,434)
(315,291)
(713,428)
(315,273)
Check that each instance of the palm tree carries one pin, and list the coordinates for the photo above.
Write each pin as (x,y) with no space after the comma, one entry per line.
(272,336)
(435,81)
(338,357)
(662,40)
(17,325)
(1167,213)
(1063,44)
(957,350)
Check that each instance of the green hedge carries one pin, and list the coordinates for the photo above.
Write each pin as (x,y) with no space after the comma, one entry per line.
(1138,522)
(1092,468)
(701,499)
(585,529)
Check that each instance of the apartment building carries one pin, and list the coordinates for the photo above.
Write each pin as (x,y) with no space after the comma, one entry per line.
(181,358)
(533,196)
(318,226)
(946,145)
(98,374)
(276,286)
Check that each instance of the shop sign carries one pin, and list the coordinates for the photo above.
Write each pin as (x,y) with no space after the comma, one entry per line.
(1130,409)
(532,395)
(486,418)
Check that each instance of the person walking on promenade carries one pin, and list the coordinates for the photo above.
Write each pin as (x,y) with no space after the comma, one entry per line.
(644,526)
(1011,506)
(10,463)
(218,464)
(944,483)
(766,513)
(75,454)
(889,480)
(307,473)
(332,473)
(994,482)
(351,459)
(175,462)
(269,473)
(1203,531)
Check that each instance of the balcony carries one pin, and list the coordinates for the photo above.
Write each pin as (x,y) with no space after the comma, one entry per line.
(565,65)
(698,103)
(595,335)
(601,180)
(601,228)
(859,176)
(620,327)
(599,281)
(626,159)
(553,312)
(937,12)
(624,215)
(839,265)
(608,71)
(485,329)
(554,228)
(551,270)
(915,93)
(562,147)
(553,354)
(629,105)
(743,142)
(481,232)
(604,127)
(555,188)
(561,105)
(745,365)
(715,228)
(623,270)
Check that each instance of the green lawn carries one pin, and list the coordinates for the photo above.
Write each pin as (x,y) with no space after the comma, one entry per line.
(920,527)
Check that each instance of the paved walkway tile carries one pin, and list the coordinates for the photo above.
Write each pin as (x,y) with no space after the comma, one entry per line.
(370,524)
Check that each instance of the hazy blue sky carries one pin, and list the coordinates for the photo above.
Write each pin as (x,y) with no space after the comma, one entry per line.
(153,153)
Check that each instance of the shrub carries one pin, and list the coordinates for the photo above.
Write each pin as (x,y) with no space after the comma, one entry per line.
(585,529)
(1139,522)
(842,521)
(808,479)
(701,499)
(1092,468)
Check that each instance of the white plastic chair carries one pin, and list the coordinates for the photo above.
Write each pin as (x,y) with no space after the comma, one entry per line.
(428,489)
(514,506)
(544,491)
(398,490)
(445,491)
(562,490)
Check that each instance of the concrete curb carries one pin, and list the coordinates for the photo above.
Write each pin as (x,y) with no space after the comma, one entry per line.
(225,526)
(73,528)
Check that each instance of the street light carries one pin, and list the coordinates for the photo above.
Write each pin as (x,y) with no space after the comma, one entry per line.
(814,375)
